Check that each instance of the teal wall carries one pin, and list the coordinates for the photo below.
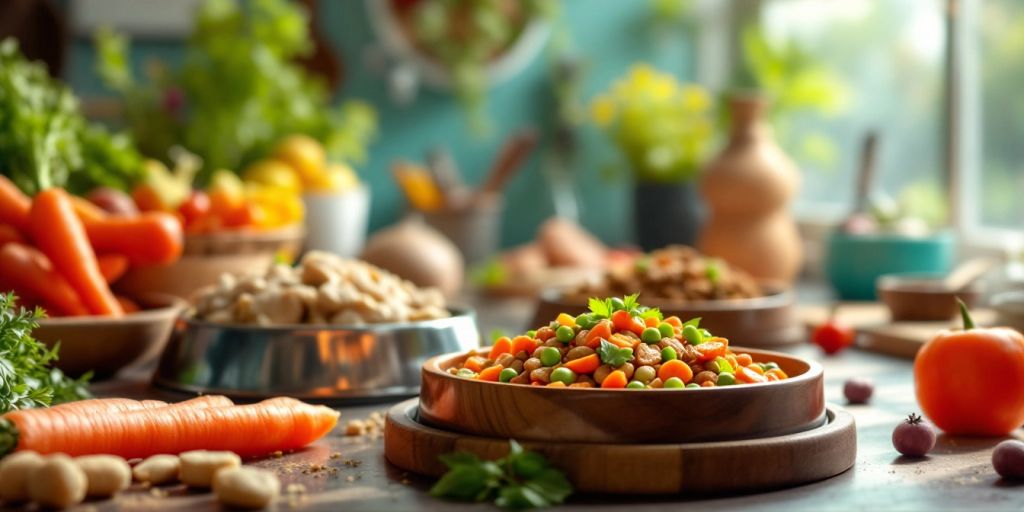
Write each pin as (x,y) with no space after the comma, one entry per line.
(608,34)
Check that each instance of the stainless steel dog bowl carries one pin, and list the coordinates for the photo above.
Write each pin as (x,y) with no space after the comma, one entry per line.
(328,364)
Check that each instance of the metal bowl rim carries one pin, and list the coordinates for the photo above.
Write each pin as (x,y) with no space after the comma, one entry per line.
(458,312)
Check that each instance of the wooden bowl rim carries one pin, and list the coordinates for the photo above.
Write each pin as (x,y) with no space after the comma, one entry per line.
(778,296)
(814,371)
(457,313)
(166,307)
(897,283)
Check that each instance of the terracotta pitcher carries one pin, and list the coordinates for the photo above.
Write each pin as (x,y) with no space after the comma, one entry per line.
(747,189)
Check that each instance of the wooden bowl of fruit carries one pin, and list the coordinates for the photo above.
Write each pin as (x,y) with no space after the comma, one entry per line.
(681,282)
(622,377)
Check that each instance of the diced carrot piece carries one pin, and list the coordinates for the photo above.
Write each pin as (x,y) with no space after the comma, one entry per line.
(616,379)
(566,320)
(745,374)
(756,368)
(623,341)
(744,359)
(675,368)
(524,344)
(674,321)
(490,373)
(623,321)
(710,350)
(777,373)
(603,329)
(707,384)
(475,363)
(651,322)
(584,365)
(556,384)
(545,333)
(502,345)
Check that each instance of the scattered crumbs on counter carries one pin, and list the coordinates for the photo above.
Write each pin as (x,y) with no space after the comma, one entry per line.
(296,493)
(336,455)
(295,489)
(352,478)
(371,426)
(353,463)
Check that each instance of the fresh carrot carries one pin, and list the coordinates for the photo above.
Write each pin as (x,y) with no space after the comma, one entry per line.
(584,365)
(87,211)
(744,359)
(57,231)
(9,234)
(623,321)
(616,379)
(31,275)
(745,374)
(603,329)
(474,363)
(14,205)
(115,406)
(711,350)
(524,344)
(248,430)
(129,306)
(491,373)
(112,266)
(153,238)
(502,345)
(675,368)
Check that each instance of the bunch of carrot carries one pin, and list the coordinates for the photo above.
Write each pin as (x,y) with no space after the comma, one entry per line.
(137,429)
(61,252)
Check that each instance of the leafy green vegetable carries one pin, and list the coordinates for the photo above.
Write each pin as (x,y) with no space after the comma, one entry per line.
(239,90)
(26,380)
(693,321)
(522,479)
(46,140)
(600,309)
(613,355)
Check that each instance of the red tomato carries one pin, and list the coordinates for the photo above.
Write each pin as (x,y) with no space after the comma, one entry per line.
(832,336)
(196,207)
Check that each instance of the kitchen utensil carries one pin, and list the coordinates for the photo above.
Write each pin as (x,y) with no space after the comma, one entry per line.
(866,172)
(106,345)
(756,322)
(514,152)
(693,468)
(923,297)
(446,175)
(968,272)
(320,363)
(591,415)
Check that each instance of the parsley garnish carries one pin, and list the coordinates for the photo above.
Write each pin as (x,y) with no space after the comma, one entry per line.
(522,479)
(612,354)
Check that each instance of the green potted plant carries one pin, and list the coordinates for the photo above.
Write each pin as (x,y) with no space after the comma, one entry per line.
(663,128)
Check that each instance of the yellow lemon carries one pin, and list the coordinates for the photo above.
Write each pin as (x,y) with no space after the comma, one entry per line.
(275,174)
(337,178)
(305,154)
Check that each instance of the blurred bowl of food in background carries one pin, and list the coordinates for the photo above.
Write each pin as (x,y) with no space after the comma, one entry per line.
(923,297)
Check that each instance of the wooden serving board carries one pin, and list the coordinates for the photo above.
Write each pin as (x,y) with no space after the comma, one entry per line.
(698,468)
(876,332)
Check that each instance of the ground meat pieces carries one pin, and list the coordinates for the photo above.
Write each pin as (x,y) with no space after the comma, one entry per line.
(647,355)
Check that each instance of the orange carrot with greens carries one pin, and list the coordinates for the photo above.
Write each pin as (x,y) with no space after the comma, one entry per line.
(30,274)
(584,365)
(8,234)
(59,233)
(14,205)
(112,266)
(248,430)
(153,238)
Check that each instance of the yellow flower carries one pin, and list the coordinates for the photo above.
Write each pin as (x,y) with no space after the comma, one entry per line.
(602,110)
(695,98)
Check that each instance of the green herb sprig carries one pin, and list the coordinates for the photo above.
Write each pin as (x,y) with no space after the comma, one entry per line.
(614,355)
(26,379)
(600,309)
(523,479)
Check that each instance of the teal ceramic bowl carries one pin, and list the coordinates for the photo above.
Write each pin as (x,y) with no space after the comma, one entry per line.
(854,262)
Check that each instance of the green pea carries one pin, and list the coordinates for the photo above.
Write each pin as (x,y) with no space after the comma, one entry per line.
(692,385)
(565,334)
(507,374)
(769,366)
(645,374)
(720,365)
(563,375)
(666,329)
(693,335)
(650,335)
(550,356)
(585,321)
(668,354)
(706,334)
(617,304)
(531,333)
(726,379)
(466,373)
(674,383)
(635,384)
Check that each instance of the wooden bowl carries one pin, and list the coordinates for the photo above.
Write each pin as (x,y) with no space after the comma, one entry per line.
(513,411)
(921,297)
(106,346)
(767,321)
(208,256)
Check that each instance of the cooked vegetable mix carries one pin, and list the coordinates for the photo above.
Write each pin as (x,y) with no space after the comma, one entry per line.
(618,344)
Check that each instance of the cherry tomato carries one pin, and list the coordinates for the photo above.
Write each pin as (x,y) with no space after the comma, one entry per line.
(832,336)
(196,207)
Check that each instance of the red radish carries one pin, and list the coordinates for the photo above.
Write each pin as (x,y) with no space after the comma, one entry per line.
(913,437)
(858,390)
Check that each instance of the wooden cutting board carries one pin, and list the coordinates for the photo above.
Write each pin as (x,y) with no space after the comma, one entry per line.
(719,467)
(877,333)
